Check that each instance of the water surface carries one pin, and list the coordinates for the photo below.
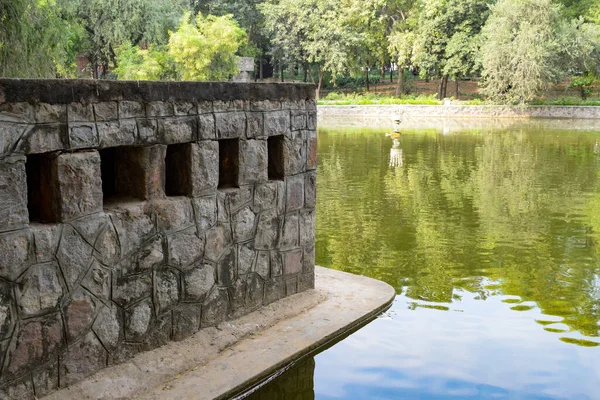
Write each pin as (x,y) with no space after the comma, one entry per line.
(491,237)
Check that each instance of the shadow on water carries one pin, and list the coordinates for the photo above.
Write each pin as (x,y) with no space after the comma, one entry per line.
(491,237)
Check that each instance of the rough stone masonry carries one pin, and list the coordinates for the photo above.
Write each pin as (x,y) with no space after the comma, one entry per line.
(136,213)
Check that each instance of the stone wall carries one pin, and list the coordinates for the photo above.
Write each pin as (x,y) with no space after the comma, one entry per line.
(133,214)
(405,111)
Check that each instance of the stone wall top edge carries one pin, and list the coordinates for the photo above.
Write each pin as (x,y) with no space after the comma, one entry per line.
(65,91)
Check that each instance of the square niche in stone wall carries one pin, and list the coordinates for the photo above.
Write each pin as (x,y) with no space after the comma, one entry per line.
(40,194)
(276,149)
(229,162)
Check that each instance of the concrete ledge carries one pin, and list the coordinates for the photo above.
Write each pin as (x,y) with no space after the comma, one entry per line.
(219,362)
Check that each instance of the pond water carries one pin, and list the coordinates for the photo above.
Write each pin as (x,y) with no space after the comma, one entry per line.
(491,237)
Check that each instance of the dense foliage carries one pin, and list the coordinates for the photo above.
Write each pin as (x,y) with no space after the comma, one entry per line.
(517,47)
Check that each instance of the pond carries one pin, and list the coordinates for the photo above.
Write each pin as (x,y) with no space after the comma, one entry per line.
(490,236)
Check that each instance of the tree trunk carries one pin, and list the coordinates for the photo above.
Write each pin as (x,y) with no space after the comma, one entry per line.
(305,73)
(261,70)
(456,88)
(321,75)
(391,73)
(400,86)
(281,70)
(443,87)
(367,80)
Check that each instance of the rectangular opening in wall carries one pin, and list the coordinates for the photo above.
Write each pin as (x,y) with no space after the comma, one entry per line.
(178,179)
(122,174)
(40,196)
(229,151)
(276,145)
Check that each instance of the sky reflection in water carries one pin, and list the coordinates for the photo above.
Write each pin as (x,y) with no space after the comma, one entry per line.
(491,238)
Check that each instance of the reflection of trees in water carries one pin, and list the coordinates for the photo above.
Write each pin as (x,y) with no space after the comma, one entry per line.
(296,383)
(512,207)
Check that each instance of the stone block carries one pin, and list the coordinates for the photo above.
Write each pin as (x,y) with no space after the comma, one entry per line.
(79,314)
(238,198)
(265,196)
(277,123)
(106,111)
(246,259)
(45,379)
(255,125)
(276,264)
(205,107)
(130,289)
(299,120)
(44,138)
(77,190)
(311,150)
(147,130)
(198,281)
(185,248)
(218,240)
(185,108)
(108,326)
(267,230)
(159,334)
(137,321)
(7,311)
(10,134)
(265,105)
(215,308)
(178,130)
(207,127)
(292,262)
(263,265)
(289,233)
(230,125)
(81,360)
(74,256)
(45,113)
(308,266)
(173,214)
(134,225)
(159,109)
(294,155)
(295,193)
(311,122)
(166,293)
(39,290)
(306,282)
(237,294)
(80,112)
(204,167)
(37,341)
(21,389)
(108,246)
(150,256)
(83,135)
(131,109)
(253,165)
(98,281)
(221,106)
(310,190)
(17,112)
(205,210)
(274,290)
(186,320)
(46,241)
(117,133)
(254,292)
(13,194)
(16,254)
(227,268)
(243,223)
(291,286)
(307,227)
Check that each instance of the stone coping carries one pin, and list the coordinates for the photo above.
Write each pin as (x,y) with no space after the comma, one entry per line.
(65,91)
(240,353)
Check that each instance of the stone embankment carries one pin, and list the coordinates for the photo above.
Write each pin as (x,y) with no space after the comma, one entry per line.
(135,214)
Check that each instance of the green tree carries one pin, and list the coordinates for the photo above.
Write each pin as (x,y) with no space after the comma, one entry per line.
(521,51)
(447,38)
(36,38)
(111,23)
(154,63)
(313,32)
(205,48)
